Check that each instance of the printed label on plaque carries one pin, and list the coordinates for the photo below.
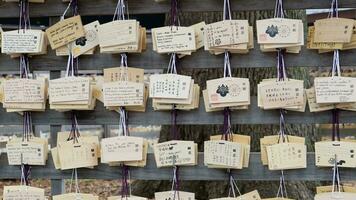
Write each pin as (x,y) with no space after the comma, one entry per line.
(31,153)
(345,154)
(335,195)
(23,193)
(287,156)
(174,39)
(278,31)
(223,153)
(122,148)
(123,93)
(22,41)
(341,31)
(335,89)
(77,155)
(281,94)
(174,195)
(228,32)
(175,153)
(65,32)
(228,90)
(170,86)
(69,89)
(24,91)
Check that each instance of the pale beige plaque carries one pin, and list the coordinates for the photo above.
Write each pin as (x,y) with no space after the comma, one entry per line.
(22,41)
(335,89)
(345,152)
(23,193)
(65,31)
(223,153)
(341,31)
(287,156)
(170,86)
(24,91)
(69,89)
(228,90)
(335,195)
(278,31)
(175,153)
(122,148)
(122,73)
(123,93)
(174,195)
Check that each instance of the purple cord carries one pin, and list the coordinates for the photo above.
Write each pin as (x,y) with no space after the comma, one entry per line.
(174,129)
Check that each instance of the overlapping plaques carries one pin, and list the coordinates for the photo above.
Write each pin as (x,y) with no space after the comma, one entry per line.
(83,46)
(280,33)
(176,153)
(32,42)
(131,151)
(288,94)
(227,92)
(235,36)
(25,94)
(65,32)
(325,152)
(173,90)
(342,36)
(124,87)
(122,36)
(287,155)
(82,152)
(335,89)
(75,196)
(23,192)
(274,140)
(31,1)
(327,192)
(233,154)
(30,152)
(71,93)
(254,195)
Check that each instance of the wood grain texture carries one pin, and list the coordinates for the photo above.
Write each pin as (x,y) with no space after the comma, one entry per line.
(100,115)
(200,172)
(107,7)
(200,59)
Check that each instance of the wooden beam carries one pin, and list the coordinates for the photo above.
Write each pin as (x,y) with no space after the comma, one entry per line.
(200,172)
(200,59)
(100,115)
(107,7)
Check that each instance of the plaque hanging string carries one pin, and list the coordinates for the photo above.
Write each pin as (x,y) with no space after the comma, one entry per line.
(74,179)
(336,187)
(24,24)
(233,188)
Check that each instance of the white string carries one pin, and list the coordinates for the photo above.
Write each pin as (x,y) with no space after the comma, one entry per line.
(335,4)
(278,9)
(227,10)
(336,64)
(227,65)
(124,76)
(172,67)
(233,187)
(336,176)
(65,11)
(120,10)
(282,190)
(123,122)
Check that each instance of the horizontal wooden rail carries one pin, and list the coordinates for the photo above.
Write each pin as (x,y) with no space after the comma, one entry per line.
(107,7)
(200,59)
(256,171)
(100,115)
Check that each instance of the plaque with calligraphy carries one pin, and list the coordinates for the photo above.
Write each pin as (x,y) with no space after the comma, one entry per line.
(335,89)
(65,31)
(77,155)
(118,32)
(287,156)
(123,93)
(280,94)
(254,195)
(122,148)
(24,91)
(228,32)
(23,193)
(175,153)
(341,31)
(313,105)
(345,154)
(69,89)
(170,86)
(223,153)
(174,39)
(75,196)
(121,73)
(22,41)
